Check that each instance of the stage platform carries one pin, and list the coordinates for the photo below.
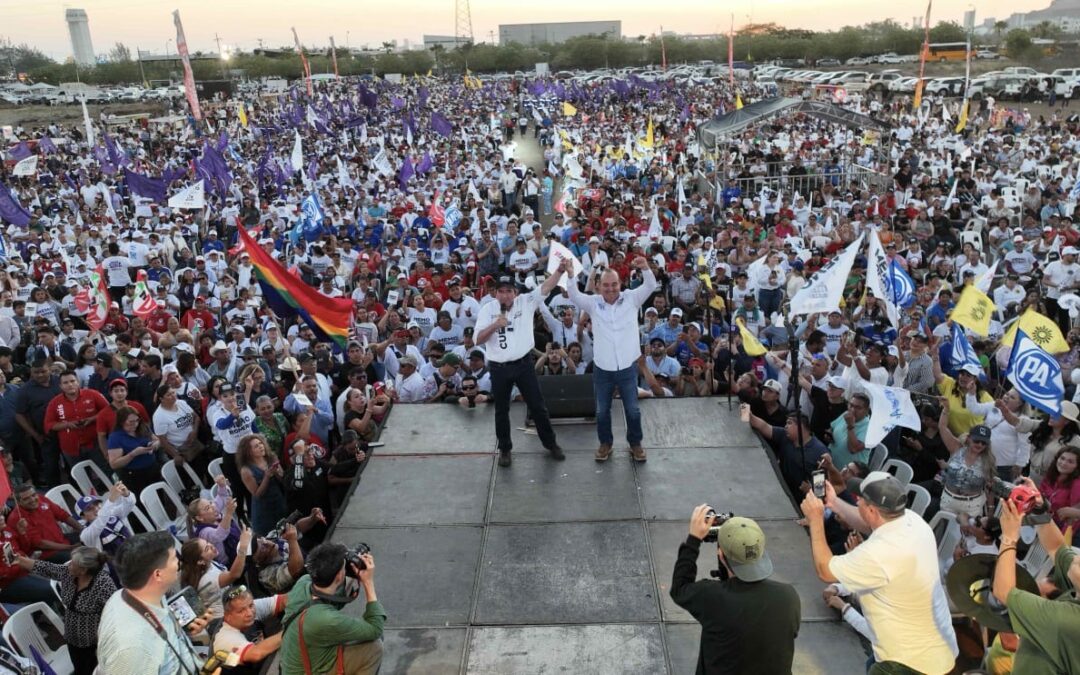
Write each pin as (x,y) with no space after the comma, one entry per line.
(548,566)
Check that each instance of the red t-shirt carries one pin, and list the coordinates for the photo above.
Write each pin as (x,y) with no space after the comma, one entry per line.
(61,409)
(43,524)
(106,419)
(9,573)
(193,315)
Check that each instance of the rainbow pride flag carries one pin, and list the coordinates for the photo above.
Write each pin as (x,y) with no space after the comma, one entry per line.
(288,296)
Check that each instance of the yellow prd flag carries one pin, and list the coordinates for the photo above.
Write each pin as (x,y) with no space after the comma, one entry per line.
(648,143)
(242,114)
(568,109)
(738,102)
(962,122)
(973,310)
(750,344)
(1041,329)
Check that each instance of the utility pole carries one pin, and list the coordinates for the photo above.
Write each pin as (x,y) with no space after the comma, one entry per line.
(142,73)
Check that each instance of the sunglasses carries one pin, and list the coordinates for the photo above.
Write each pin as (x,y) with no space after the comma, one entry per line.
(233,593)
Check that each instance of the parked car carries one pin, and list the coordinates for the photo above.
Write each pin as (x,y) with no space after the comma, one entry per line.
(946,86)
(903,85)
(890,57)
(857,61)
(986,54)
(879,82)
(828,62)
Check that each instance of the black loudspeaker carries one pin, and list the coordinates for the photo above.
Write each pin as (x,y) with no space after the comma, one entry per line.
(568,395)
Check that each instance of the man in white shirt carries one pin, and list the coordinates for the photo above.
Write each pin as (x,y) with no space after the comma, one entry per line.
(1061,276)
(616,350)
(239,632)
(504,330)
(409,386)
(894,574)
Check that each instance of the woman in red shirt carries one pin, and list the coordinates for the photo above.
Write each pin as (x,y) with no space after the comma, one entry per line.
(1061,486)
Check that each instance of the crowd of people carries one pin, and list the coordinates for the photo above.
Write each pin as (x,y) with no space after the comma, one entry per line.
(433,196)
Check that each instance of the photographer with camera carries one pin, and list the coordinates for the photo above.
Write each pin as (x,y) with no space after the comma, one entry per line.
(317,636)
(748,622)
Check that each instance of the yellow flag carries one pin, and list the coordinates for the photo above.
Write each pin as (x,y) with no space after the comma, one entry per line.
(649,134)
(242,114)
(704,276)
(568,109)
(962,122)
(750,343)
(738,102)
(1039,328)
(973,310)
(428,73)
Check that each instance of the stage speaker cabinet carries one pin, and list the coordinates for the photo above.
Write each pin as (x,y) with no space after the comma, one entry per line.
(568,396)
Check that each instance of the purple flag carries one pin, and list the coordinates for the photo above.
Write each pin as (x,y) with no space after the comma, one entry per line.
(357,121)
(313,170)
(425,163)
(213,168)
(441,125)
(40,662)
(222,141)
(169,175)
(397,102)
(423,97)
(11,210)
(407,171)
(20,151)
(47,146)
(116,157)
(369,98)
(151,188)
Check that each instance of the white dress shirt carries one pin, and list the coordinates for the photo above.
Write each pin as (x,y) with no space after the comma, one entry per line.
(615,326)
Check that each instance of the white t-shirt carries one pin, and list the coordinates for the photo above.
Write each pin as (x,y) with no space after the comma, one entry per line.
(174,425)
(1064,277)
(116,269)
(230,639)
(425,319)
(516,340)
(896,577)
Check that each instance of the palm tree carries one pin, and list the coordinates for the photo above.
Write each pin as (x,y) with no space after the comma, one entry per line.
(999,28)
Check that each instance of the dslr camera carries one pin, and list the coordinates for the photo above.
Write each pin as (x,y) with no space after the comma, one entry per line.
(279,529)
(718,520)
(352,557)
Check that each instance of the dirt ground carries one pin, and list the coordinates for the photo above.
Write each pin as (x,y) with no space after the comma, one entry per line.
(38,115)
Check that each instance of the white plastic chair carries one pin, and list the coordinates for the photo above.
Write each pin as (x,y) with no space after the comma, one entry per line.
(668,242)
(947,534)
(215,467)
(154,499)
(90,479)
(919,497)
(973,238)
(21,631)
(138,523)
(899,468)
(66,497)
(181,479)
(877,457)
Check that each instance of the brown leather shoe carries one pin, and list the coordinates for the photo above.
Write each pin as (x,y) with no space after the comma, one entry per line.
(638,453)
(603,453)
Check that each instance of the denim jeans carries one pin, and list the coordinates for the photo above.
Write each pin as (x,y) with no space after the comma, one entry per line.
(604,384)
(769,301)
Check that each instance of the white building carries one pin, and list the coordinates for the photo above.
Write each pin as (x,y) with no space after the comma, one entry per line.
(554,33)
(79,28)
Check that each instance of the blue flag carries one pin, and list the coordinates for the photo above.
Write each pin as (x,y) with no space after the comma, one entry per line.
(1036,374)
(310,224)
(10,209)
(902,285)
(20,152)
(962,352)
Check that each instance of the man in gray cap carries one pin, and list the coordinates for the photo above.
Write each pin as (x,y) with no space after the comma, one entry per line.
(894,574)
(748,621)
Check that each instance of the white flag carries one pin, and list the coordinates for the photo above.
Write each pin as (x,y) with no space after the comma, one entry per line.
(983,283)
(191,197)
(823,291)
(890,407)
(474,193)
(952,194)
(343,173)
(25,167)
(87,125)
(753,271)
(382,164)
(297,158)
(877,278)
(556,255)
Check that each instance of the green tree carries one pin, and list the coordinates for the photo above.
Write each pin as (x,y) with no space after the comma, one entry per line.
(1017,43)
(947,31)
(120,53)
(999,29)
(1046,30)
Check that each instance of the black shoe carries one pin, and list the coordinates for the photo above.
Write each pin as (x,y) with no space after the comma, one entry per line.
(556,452)
(504,458)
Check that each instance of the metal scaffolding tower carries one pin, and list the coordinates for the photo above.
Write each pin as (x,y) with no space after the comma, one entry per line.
(462,22)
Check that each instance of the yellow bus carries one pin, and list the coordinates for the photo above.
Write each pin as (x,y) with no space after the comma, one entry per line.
(948,51)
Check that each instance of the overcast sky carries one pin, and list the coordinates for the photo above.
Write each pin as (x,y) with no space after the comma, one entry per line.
(147,24)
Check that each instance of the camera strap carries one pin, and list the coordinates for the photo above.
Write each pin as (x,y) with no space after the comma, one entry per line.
(147,614)
(339,668)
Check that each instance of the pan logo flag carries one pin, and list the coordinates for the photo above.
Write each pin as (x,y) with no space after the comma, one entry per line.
(973,310)
(1036,375)
(962,352)
(1041,329)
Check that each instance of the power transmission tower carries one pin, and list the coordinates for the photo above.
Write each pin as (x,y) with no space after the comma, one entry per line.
(462,22)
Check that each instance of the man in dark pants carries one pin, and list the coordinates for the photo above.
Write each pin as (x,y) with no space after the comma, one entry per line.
(504,329)
(749,622)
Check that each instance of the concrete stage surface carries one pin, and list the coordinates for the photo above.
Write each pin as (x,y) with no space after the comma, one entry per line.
(548,567)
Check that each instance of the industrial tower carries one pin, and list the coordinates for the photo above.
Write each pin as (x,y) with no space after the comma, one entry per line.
(79,29)
(462,22)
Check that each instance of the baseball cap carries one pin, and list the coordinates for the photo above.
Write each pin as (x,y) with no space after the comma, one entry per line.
(407,361)
(882,490)
(505,281)
(86,502)
(657,341)
(971,369)
(838,381)
(774,385)
(1069,250)
(118,382)
(743,544)
(979,432)
(450,360)
(676,312)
